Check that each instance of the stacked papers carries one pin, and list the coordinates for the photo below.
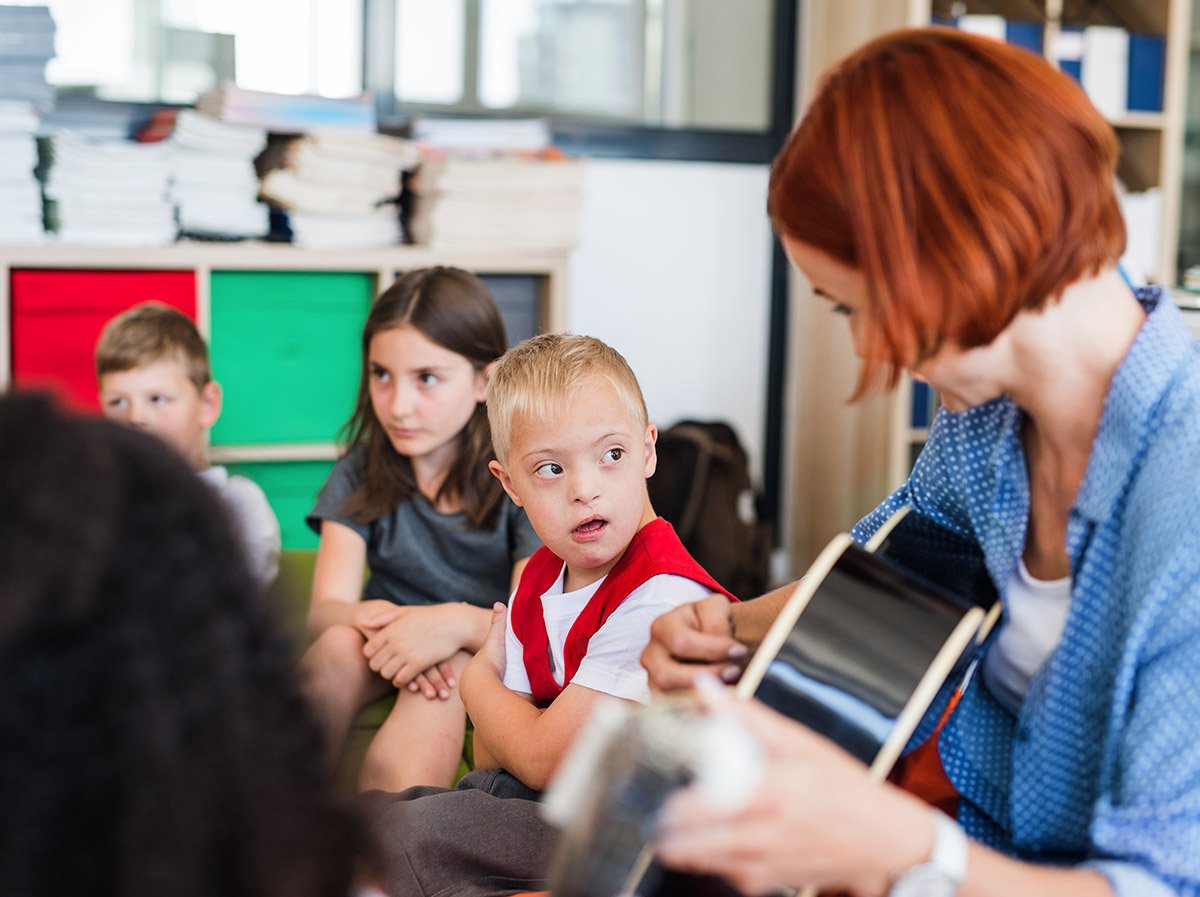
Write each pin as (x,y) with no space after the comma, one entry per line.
(20,192)
(503,202)
(341,190)
(213,182)
(285,113)
(482,136)
(109,192)
(26,45)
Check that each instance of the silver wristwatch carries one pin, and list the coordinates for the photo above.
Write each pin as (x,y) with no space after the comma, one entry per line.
(944,871)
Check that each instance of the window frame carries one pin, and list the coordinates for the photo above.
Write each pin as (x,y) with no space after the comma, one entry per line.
(587,136)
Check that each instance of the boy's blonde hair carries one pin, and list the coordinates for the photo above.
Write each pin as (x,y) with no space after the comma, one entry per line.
(148,333)
(543,374)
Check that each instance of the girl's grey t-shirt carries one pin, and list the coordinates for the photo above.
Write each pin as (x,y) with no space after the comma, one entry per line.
(418,555)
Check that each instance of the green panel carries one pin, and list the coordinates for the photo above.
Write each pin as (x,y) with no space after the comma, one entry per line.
(291,488)
(285,348)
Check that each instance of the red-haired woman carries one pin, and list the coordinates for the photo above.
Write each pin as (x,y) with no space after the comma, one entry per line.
(953,198)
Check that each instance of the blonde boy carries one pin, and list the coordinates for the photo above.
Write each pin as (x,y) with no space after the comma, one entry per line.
(573,448)
(153,373)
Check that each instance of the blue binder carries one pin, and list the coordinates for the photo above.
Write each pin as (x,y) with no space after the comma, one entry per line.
(1147,60)
(1024,34)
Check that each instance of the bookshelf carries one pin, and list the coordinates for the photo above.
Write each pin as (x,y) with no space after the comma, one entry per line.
(283,326)
(1151,144)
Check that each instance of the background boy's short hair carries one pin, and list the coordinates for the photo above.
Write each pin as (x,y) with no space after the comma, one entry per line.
(539,376)
(148,333)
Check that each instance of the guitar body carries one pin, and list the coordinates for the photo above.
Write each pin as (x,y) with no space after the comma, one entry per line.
(859,652)
(871,634)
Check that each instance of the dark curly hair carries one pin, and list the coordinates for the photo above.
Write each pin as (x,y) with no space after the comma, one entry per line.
(153,737)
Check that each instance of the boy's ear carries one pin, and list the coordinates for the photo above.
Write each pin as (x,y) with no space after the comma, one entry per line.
(210,403)
(651,452)
(501,474)
(482,379)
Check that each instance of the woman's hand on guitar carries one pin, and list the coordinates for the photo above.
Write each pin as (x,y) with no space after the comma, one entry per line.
(816,819)
(692,639)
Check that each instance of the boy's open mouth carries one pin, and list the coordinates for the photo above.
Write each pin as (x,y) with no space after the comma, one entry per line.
(590,527)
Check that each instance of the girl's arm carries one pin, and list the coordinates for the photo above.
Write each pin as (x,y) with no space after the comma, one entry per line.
(409,643)
(338,582)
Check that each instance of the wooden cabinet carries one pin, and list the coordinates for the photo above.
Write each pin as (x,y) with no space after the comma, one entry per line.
(283,325)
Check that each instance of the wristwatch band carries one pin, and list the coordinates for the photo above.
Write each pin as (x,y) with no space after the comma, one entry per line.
(946,867)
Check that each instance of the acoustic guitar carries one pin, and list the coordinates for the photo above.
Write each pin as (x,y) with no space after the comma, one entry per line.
(865,642)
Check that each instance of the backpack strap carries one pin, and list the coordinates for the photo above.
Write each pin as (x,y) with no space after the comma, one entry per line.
(709,449)
(689,517)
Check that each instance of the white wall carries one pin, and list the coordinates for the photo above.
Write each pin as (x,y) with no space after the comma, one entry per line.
(673,270)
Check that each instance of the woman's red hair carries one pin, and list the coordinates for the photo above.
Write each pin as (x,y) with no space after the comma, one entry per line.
(966,178)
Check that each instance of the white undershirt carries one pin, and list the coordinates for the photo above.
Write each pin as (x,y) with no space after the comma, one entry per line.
(1035,612)
(612,663)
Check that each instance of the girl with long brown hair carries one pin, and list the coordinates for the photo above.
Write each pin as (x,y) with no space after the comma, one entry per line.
(412,502)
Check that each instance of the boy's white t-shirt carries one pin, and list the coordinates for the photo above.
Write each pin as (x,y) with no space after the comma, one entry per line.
(257,526)
(612,663)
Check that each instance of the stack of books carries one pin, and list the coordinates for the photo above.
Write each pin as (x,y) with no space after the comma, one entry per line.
(108,192)
(497,202)
(482,136)
(493,184)
(20,192)
(26,45)
(214,185)
(286,113)
(1121,71)
(340,190)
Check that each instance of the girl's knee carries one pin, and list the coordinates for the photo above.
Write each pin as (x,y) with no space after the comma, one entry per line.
(393,763)
(336,652)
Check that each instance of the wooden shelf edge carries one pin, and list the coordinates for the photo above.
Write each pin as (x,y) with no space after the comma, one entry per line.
(278,256)
(242,454)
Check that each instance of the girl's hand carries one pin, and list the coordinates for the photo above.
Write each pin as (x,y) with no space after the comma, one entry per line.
(372,613)
(435,683)
(817,818)
(405,642)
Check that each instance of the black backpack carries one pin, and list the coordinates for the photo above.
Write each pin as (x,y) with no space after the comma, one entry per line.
(703,487)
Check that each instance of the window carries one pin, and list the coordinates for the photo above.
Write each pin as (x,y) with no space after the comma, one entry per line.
(172,50)
(657,63)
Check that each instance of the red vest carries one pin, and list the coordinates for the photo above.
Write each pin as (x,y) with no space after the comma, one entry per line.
(653,551)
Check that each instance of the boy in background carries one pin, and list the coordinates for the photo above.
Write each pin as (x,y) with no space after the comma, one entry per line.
(153,373)
(574,447)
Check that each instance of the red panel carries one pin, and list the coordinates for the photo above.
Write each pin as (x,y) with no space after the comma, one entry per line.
(57,317)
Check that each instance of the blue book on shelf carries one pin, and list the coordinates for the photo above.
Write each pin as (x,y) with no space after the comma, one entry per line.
(923,405)
(1024,34)
(1147,60)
